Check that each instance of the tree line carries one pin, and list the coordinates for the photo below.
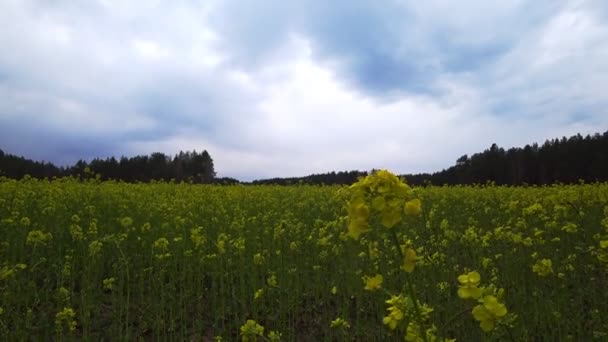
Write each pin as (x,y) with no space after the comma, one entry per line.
(185,166)
(338,178)
(565,160)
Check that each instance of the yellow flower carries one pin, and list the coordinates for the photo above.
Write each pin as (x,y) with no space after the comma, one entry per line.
(6,273)
(162,244)
(274,336)
(339,323)
(95,247)
(272,281)
(390,217)
(258,294)
(468,285)
(378,203)
(489,312)
(251,330)
(108,283)
(373,283)
(358,213)
(392,320)
(413,207)
(221,246)
(409,260)
(397,305)
(258,259)
(25,221)
(35,237)
(66,315)
(543,267)
(413,333)
(293,246)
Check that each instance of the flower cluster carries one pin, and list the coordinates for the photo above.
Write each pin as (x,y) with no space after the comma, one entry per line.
(251,330)
(67,316)
(373,283)
(543,267)
(489,311)
(383,193)
(339,323)
(469,285)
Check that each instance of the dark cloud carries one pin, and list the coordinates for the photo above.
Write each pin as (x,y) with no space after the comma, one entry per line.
(380,47)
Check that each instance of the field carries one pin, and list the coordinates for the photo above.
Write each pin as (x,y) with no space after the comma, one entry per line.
(376,261)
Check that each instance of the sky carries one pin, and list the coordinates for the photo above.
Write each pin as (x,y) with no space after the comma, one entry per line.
(289,88)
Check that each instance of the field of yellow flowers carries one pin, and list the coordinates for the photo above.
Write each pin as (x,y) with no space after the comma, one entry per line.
(377,261)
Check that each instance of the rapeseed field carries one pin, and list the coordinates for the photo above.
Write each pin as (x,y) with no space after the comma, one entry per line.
(376,261)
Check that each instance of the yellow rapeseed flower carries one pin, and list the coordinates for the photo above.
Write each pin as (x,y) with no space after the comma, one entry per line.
(358,213)
(272,281)
(373,283)
(543,267)
(390,217)
(489,312)
(339,323)
(66,315)
(251,330)
(258,259)
(258,294)
(396,311)
(274,336)
(468,285)
(409,261)
(413,207)
(393,318)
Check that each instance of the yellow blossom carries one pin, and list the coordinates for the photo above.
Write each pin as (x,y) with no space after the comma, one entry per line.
(274,336)
(394,317)
(373,283)
(413,207)
(272,281)
(489,312)
(334,290)
(409,261)
(339,323)
(396,314)
(468,285)
(358,213)
(258,294)
(251,330)
(66,315)
(543,267)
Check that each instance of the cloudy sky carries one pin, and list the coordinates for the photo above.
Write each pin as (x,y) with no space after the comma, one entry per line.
(290,88)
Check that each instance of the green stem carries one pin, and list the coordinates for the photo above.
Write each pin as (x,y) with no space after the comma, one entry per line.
(451,319)
(125,262)
(409,285)
(510,333)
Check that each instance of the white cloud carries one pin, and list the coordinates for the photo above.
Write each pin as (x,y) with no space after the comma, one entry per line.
(149,49)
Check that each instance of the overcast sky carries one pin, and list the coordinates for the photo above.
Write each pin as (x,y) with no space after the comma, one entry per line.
(290,88)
